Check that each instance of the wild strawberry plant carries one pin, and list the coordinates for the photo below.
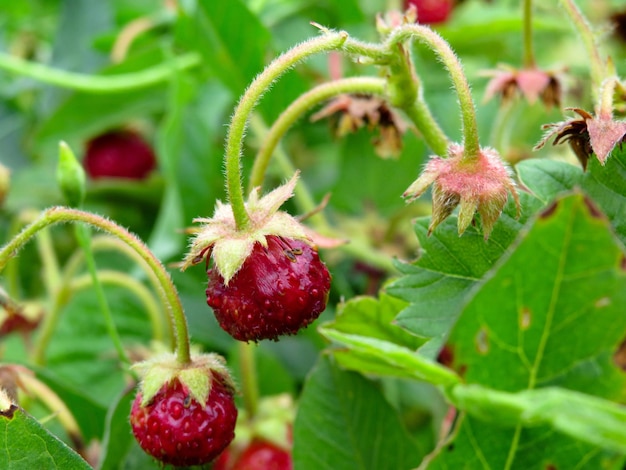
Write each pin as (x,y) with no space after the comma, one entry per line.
(378,270)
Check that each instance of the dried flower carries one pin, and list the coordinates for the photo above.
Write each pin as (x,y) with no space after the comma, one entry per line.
(532,83)
(478,185)
(586,135)
(356,111)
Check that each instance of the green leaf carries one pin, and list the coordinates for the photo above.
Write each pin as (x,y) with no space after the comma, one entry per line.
(551,314)
(546,178)
(344,422)
(605,185)
(437,285)
(368,342)
(583,417)
(234,54)
(27,445)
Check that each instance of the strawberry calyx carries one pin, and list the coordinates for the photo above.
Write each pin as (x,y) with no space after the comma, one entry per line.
(229,246)
(197,376)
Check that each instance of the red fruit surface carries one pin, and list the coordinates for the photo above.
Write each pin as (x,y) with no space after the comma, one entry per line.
(277,291)
(259,455)
(119,154)
(431,11)
(175,429)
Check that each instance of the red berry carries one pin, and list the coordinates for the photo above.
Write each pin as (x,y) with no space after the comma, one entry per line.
(175,429)
(119,154)
(277,291)
(258,455)
(431,11)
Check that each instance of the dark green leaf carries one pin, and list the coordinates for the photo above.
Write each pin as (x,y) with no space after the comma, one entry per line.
(27,445)
(440,281)
(343,422)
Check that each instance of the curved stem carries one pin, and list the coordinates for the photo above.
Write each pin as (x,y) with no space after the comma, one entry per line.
(99,83)
(584,29)
(529,55)
(236,130)
(308,100)
(249,382)
(140,291)
(106,242)
(63,215)
(455,69)
(419,112)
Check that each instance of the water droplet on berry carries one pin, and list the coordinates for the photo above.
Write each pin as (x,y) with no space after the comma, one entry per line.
(187,401)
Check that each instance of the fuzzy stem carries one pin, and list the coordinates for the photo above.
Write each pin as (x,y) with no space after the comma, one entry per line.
(604,109)
(83,236)
(104,84)
(453,65)
(143,294)
(249,381)
(584,29)
(374,86)
(423,119)
(237,128)
(529,55)
(63,215)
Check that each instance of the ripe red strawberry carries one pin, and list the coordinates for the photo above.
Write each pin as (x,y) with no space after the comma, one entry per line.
(431,11)
(175,429)
(278,290)
(119,154)
(258,455)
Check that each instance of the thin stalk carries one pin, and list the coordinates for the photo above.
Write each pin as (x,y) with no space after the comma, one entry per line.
(249,381)
(310,99)
(56,215)
(84,240)
(598,71)
(125,281)
(100,83)
(443,50)
(529,54)
(237,128)
(419,112)
(49,261)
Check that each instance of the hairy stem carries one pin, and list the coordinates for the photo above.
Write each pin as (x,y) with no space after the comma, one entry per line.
(581,24)
(237,128)
(443,50)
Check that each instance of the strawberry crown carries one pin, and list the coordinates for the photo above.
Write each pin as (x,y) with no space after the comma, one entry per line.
(229,246)
(197,376)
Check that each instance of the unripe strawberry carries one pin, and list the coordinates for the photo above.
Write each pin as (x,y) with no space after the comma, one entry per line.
(266,279)
(431,11)
(190,418)
(119,154)
(279,289)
